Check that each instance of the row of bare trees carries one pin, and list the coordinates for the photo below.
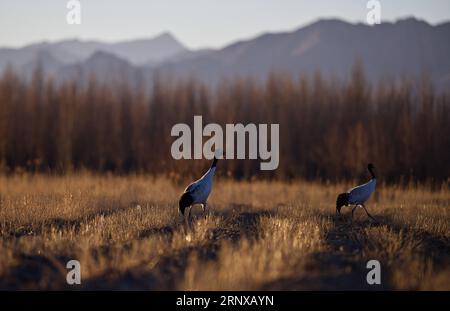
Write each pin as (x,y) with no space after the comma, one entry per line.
(329,129)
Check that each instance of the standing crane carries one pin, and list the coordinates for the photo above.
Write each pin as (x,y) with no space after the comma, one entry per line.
(197,192)
(359,195)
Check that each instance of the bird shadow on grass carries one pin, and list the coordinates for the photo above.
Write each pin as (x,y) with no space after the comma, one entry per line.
(237,223)
(39,271)
(163,231)
(435,247)
(341,267)
(334,268)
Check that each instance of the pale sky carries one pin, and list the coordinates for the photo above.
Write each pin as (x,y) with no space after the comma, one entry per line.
(196,23)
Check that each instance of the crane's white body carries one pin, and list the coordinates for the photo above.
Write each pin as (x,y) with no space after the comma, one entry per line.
(200,189)
(360,194)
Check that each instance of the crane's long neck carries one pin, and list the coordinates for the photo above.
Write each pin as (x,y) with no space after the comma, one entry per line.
(372,173)
(212,169)
(214,164)
(211,172)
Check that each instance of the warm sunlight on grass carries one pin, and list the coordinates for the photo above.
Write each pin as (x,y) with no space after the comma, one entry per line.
(127,234)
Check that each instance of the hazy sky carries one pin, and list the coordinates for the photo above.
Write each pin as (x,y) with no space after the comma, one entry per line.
(196,23)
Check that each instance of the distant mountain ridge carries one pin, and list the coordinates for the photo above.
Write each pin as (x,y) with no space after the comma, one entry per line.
(408,47)
(137,52)
(390,50)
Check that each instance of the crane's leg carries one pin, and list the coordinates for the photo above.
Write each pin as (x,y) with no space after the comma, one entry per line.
(353,210)
(190,210)
(205,209)
(186,225)
(368,212)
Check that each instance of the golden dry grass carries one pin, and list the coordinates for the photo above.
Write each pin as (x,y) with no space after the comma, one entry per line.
(127,234)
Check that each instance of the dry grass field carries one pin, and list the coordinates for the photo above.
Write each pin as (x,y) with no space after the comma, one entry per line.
(127,234)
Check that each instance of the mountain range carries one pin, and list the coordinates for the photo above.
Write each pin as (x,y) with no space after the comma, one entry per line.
(408,47)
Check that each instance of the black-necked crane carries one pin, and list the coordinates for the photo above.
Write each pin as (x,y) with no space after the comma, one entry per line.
(197,192)
(359,195)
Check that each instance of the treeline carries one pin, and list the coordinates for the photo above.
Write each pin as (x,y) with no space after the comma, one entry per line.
(329,129)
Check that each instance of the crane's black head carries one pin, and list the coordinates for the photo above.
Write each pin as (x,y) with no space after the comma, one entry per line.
(217,155)
(186,200)
(371,169)
(342,200)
